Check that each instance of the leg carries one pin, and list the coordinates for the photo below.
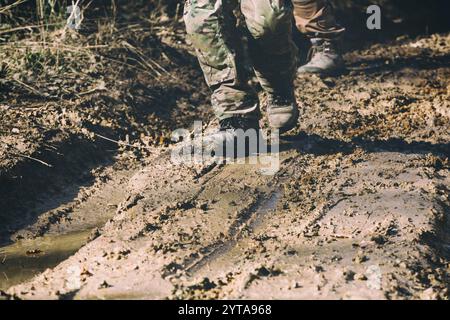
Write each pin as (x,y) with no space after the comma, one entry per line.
(272,50)
(211,28)
(274,57)
(315,19)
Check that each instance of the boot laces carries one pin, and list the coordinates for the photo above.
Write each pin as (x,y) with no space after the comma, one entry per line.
(321,46)
(235,123)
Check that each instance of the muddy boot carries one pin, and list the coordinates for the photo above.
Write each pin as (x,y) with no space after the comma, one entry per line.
(325,59)
(235,123)
(282,112)
(236,137)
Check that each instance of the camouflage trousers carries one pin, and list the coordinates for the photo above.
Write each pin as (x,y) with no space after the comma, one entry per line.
(212,29)
(315,18)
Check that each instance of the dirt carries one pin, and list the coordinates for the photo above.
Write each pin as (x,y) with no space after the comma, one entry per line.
(91,112)
(358,209)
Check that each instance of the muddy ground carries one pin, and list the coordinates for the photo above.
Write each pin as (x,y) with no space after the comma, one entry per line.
(358,209)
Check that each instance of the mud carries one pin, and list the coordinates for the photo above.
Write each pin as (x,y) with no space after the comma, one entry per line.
(358,209)
(65,223)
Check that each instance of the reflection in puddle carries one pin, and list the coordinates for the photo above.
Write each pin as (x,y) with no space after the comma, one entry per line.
(26,258)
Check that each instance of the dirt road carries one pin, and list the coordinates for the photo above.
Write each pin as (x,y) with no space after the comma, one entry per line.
(358,209)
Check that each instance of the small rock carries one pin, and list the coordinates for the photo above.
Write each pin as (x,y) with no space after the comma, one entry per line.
(349,275)
(318,269)
(104,285)
(360,276)
(360,258)
(33,252)
(378,239)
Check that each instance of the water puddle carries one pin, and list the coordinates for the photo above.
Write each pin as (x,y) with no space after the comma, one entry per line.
(25,259)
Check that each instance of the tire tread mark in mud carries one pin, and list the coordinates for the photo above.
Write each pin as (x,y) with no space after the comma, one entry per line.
(210,252)
(192,261)
(257,210)
(252,218)
(321,213)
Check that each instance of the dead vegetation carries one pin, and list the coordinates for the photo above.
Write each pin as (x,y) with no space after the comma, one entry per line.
(109,79)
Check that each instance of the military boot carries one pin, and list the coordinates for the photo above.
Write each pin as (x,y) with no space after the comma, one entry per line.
(282,111)
(325,59)
(237,137)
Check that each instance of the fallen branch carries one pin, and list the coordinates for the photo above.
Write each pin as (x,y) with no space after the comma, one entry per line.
(29,88)
(120,142)
(28,157)
(123,143)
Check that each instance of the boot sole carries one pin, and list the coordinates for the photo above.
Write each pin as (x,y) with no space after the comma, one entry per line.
(323,73)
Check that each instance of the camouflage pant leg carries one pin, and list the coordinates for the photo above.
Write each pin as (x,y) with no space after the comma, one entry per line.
(315,18)
(211,27)
(272,50)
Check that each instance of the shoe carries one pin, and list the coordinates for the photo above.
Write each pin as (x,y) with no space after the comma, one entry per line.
(325,59)
(234,133)
(282,112)
(235,123)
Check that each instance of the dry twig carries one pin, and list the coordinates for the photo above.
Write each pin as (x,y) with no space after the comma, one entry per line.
(28,157)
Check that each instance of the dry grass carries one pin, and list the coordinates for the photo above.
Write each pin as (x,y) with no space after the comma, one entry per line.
(4,9)
(49,51)
(105,80)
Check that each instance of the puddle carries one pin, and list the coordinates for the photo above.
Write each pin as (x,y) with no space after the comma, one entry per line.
(25,259)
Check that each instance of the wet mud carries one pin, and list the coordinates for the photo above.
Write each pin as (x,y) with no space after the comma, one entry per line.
(358,209)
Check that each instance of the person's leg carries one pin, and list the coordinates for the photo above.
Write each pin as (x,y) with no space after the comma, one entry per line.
(211,28)
(273,55)
(272,50)
(315,19)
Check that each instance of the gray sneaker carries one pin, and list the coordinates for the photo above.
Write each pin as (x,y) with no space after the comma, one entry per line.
(282,112)
(325,59)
